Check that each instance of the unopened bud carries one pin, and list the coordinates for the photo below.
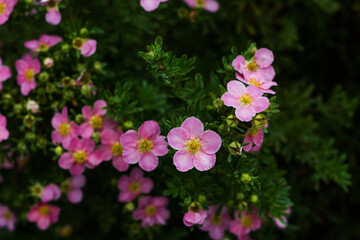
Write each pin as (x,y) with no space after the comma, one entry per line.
(96,137)
(41,143)
(84,31)
(235,148)
(128,124)
(66,81)
(85,90)
(77,43)
(32,106)
(130,206)
(240,196)
(245,178)
(260,120)
(79,119)
(18,108)
(48,62)
(232,121)
(21,147)
(29,120)
(218,103)
(58,150)
(43,77)
(6,97)
(98,66)
(30,136)
(65,48)
(242,206)
(254,198)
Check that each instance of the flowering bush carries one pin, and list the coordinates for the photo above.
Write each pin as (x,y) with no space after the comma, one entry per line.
(198,147)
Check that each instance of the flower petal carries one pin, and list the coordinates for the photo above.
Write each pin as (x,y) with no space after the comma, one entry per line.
(183,160)
(260,104)
(149,130)
(204,161)
(264,57)
(178,137)
(193,126)
(210,142)
(160,146)
(245,113)
(148,161)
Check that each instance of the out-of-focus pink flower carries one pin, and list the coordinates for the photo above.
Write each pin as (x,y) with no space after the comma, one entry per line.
(253,138)
(5,73)
(194,215)
(247,100)
(32,106)
(6,8)
(144,146)
(7,218)
(131,187)
(4,133)
(53,15)
(208,5)
(196,146)
(81,154)
(88,48)
(72,188)
(27,68)
(247,222)
(50,192)
(284,218)
(43,214)
(151,211)
(48,62)
(111,148)
(260,64)
(150,5)
(64,130)
(44,43)
(216,224)
(93,118)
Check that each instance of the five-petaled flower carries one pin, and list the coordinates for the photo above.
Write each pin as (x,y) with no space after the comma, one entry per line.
(151,211)
(27,68)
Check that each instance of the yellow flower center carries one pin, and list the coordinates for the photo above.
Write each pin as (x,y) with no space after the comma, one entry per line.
(43,47)
(252,66)
(193,145)
(80,157)
(29,74)
(44,210)
(245,99)
(2,8)
(255,82)
(96,122)
(134,187)
(247,221)
(7,215)
(216,220)
(64,129)
(199,3)
(145,145)
(150,210)
(117,149)
(65,186)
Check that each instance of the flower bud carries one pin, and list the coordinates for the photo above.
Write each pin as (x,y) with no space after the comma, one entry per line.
(79,119)
(30,136)
(65,48)
(182,12)
(86,90)
(128,124)
(98,66)
(41,143)
(242,206)
(232,121)
(29,120)
(240,196)
(245,178)
(66,81)
(202,199)
(36,190)
(260,120)
(235,148)
(21,147)
(48,62)
(96,137)
(77,43)
(18,108)
(130,206)
(218,103)
(6,97)
(43,77)
(68,95)
(254,198)
(84,31)
(58,150)
(32,106)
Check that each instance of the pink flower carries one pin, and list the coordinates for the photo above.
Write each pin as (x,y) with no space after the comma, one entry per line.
(111,148)
(195,215)
(260,64)
(50,192)
(4,133)
(93,118)
(44,43)
(208,5)
(216,224)
(6,7)
(5,72)
(48,62)
(144,146)
(7,218)
(131,187)
(64,130)
(43,214)
(247,100)
(150,5)
(246,223)
(88,48)
(284,218)
(151,211)
(196,146)
(53,15)
(72,188)
(258,81)
(80,155)
(32,106)
(254,139)
(27,68)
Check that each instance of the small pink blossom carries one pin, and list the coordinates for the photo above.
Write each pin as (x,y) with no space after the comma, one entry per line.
(208,5)
(64,129)
(284,218)
(196,146)
(6,8)
(194,215)
(88,48)
(150,5)
(80,155)
(258,81)
(216,224)
(4,133)
(247,100)
(247,222)
(151,211)
(254,138)
(32,106)
(50,192)
(53,15)
(44,43)
(93,118)
(5,73)
(43,214)
(72,188)
(130,187)
(111,148)
(259,64)
(144,146)
(7,218)
(27,68)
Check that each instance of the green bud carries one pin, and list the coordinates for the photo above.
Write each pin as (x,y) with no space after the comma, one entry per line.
(245,178)
(130,206)
(29,120)
(30,136)
(58,150)
(43,77)
(6,97)
(77,43)
(98,66)
(66,81)
(96,137)
(79,119)
(254,198)
(232,121)
(260,120)
(128,124)
(22,147)
(18,108)
(202,199)
(68,95)
(85,90)
(41,143)
(242,206)
(222,128)
(240,196)
(218,103)
(65,48)
(235,148)
(84,31)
